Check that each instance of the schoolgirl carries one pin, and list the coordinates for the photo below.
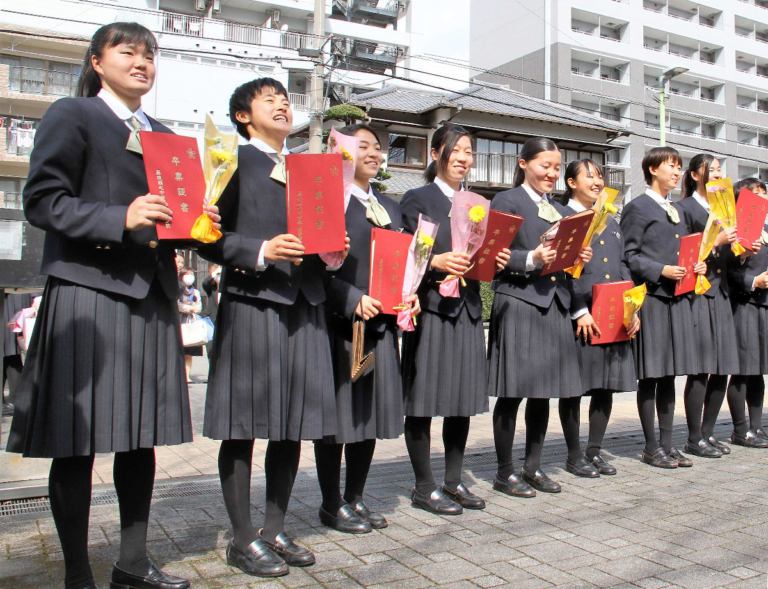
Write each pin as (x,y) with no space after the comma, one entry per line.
(530,344)
(105,367)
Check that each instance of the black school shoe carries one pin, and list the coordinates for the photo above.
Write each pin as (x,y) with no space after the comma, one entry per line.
(464,497)
(345,520)
(682,461)
(540,481)
(514,486)
(377,521)
(603,467)
(659,459)
(749,440)
(713,441)
(154,579)
(437,502)
(582,467)
(257,560)
(702,449)
(293,554)
(761,432)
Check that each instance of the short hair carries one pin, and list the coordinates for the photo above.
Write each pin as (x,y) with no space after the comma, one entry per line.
(749,184)
(353,129)
(656,157)
(243,96)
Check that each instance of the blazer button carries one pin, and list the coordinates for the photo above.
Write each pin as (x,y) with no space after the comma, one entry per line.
(106,247)
(677,236)
(607,276)
(554,279)
(719,270)
(602,242)
(98,247)
(153,244)
(605,260)
(678,253)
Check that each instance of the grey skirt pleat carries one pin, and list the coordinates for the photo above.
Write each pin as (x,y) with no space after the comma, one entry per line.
(532,351)
(607,366)
(715,335)
(271,375)
(666,342)
(372,407)
(444,366)
(104,373)
(751,325)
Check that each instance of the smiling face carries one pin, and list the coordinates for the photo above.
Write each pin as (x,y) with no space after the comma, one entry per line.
(715,173)
(666,176)
(368,156)
(126,70)
(459,162)
(542,171)
(270,117)
(587,185)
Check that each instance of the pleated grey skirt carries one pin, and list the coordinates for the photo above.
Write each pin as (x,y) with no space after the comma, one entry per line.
(666,342)
(271,375)
(532,351)
(104,373)
(372,407)
(606,366)
(444,366)
(751,326)
(715,334)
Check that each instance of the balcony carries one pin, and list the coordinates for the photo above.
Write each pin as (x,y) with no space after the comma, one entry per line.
(19,142)
(303,102)
(41,82)
(11,200)
(369,11)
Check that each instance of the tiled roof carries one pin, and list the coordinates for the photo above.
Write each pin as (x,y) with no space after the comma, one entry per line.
(403,180)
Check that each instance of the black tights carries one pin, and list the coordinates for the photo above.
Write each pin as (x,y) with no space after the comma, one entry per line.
(749,389)
(69,487)
(656,395)
(704,396)
(328,462)
(417,440)
(504,421)
(280,467)
(12,368)
(600,405)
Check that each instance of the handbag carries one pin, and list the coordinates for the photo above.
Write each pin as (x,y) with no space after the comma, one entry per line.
(26,332)
(361,363)
(194,333)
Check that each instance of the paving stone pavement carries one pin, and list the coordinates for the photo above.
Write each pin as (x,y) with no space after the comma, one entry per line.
(696,528)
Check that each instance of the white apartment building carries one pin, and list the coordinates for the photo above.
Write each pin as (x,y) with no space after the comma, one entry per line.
(605,57)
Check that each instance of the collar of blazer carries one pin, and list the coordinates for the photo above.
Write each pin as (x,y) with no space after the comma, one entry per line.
(117,125)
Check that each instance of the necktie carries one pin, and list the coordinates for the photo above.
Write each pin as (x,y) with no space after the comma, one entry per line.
(764,237)
(672,213)
(548,212)
(134,141)
(278,172)
(376,213)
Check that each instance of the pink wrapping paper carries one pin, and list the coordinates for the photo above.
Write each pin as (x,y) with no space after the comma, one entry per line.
(16,325)
(415,268)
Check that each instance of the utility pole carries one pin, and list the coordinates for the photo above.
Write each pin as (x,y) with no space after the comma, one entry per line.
(662,115)
(316,116)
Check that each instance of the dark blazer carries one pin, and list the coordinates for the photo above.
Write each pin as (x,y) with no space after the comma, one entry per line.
(348,285)
(742,275)
(212,304)
(81,182)
(514,281)
(695,218)
(608,263)
(651,241)
(430,201)
(253,210)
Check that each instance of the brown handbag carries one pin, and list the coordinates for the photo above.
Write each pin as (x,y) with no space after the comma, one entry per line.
(360,362)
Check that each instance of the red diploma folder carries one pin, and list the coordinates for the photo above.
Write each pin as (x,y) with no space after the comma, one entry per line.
(751,210)
(315,190)
(608,311)
(174,171)
(689,256)
(568,240)
(500,233)
(389,253)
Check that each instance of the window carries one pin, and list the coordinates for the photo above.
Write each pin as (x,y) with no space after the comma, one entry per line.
(10,192)
(407,150)
(40,76)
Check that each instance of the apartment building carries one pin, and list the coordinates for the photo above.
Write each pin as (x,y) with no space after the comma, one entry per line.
(605,57)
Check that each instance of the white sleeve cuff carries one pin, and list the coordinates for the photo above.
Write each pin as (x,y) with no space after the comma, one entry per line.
(529,265)
(579,313)
(261,264)
(334,268)
(754,282)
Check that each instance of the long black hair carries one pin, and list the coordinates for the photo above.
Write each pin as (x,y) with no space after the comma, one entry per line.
(443,142)
(352,130)
(533,147)
(572,172)
(699,161)
(110,35)
(749,184)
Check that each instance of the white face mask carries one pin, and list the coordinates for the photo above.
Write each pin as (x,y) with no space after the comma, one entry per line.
(189,280)
(217,276)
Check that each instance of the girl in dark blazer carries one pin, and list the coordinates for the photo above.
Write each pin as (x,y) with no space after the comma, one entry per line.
(105,367)
(211,288)
(712,317)
(530,344)
(665,346)
(444,365)
(270,373)
(605,368)
(372,407)
(748,278)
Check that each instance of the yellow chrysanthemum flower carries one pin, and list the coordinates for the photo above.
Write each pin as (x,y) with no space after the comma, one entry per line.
(477,214)
(346,155)
(609,208)
(426,239)
(221,155)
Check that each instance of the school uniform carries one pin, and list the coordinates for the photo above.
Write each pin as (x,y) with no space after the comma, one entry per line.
(605,366)
(665,346)
(105,367)
(271,372)
(444,362)
(530,344)
(712,315)
(372,407)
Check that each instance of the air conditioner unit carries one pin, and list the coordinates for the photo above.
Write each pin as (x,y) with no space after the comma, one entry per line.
(201,5)
(216,6)
(274,15)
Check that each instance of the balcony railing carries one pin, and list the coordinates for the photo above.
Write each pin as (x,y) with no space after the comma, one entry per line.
(19,142)
(46,82)
(182,24)
(11,200)
(303,102)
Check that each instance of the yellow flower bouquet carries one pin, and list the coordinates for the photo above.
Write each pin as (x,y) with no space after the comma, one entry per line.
(605,212)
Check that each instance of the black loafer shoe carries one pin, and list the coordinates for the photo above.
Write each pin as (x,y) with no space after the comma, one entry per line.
(464,497)
(702,449)
(541,482)
(682,461)
(749,440)
(603,467)
(713,441)
(513,486)
(582,468)
(761,432)
(345,520)
(8,409)
(437,502)
(293,554)
(376,520)
(154,579)
(256,560)
(659,459)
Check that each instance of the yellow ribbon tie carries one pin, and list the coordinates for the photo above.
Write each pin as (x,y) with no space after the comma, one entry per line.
(278,172)
(672,213)
(134,141)
(548,212)
(376,213)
